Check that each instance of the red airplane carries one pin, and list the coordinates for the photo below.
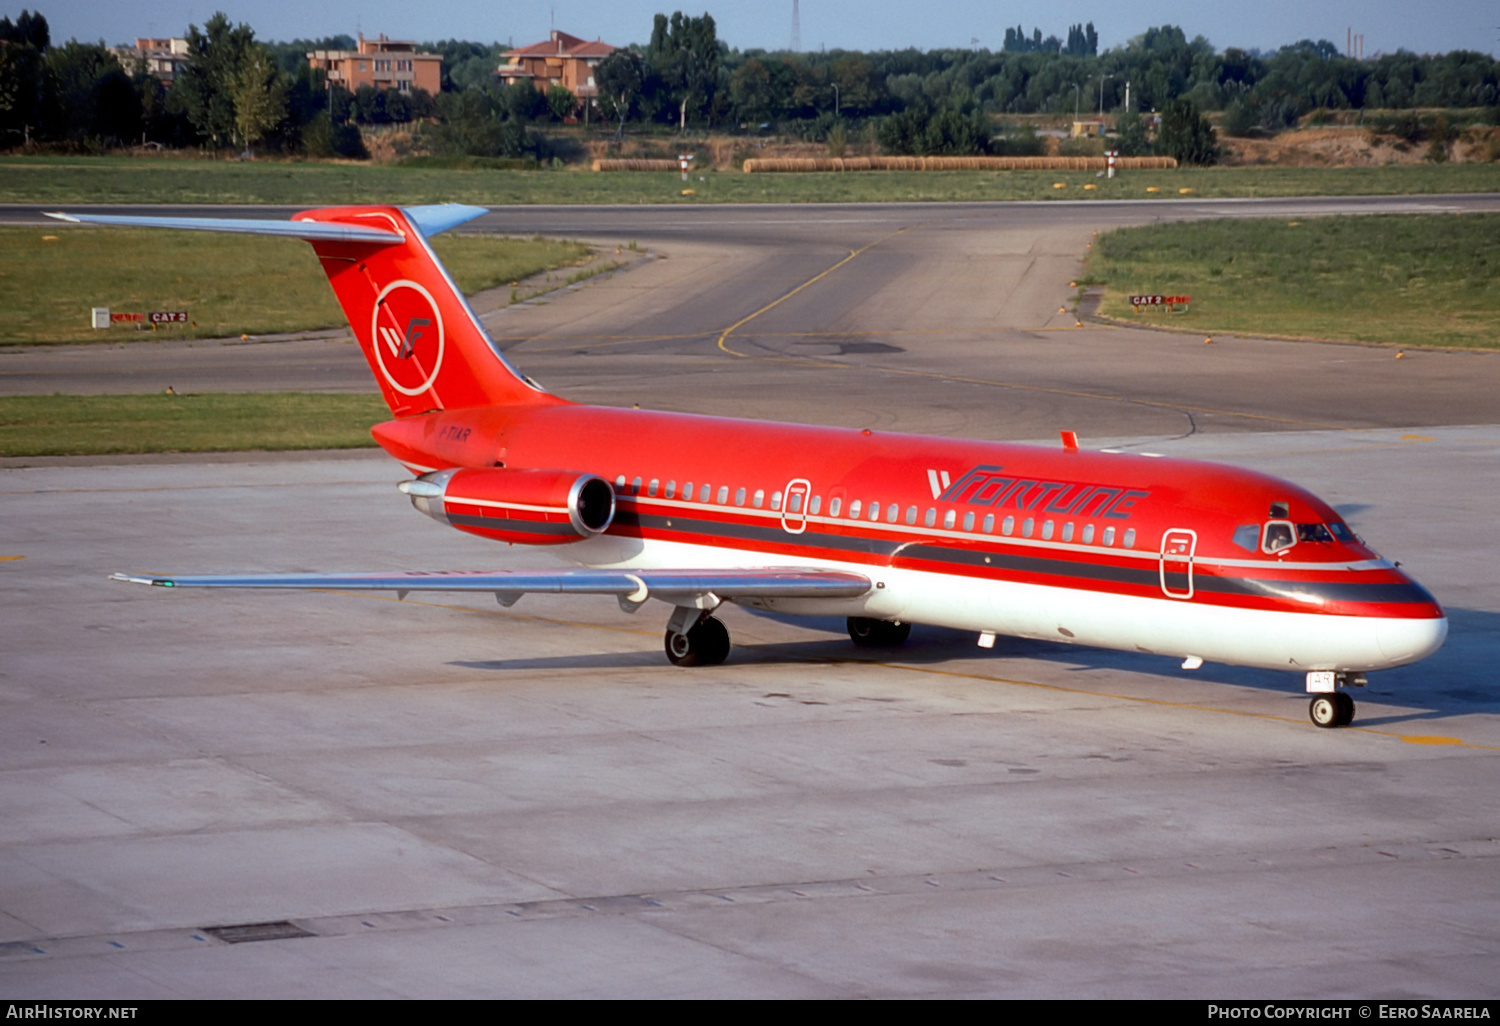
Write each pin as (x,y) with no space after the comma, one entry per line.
(1125,551)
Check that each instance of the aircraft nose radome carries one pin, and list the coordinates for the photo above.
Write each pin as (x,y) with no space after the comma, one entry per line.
(1406,641)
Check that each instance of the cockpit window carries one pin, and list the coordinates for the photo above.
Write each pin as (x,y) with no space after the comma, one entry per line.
(1247,537)
(1313,533)
(1280,510)
(1341,532)
(1278,536)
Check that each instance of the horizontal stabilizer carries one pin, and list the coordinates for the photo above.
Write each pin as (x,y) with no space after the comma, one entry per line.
(637,585)
(310,230)
(439,217)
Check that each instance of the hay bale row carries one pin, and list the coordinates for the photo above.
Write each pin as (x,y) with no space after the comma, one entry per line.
(636,165)
(804,164)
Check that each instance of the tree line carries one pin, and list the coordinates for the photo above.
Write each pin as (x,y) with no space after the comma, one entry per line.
(239,92)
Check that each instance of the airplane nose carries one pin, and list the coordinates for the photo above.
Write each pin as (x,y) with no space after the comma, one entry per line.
(1406,641)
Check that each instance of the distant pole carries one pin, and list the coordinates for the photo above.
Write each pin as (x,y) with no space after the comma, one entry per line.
(796,29)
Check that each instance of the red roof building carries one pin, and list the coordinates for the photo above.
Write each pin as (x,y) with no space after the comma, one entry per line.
(562,60)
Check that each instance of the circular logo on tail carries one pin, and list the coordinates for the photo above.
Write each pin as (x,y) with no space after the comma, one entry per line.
(407,332)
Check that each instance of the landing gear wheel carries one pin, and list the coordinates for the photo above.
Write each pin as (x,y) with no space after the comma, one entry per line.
(1346,708)
(867,633)
(1331,710)
(705,644)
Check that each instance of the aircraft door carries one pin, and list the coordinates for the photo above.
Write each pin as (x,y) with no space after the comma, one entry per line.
(1177,548)
(794,505)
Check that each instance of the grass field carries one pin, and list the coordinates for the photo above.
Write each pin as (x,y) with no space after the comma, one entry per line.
(48,425)
(229,285)
(64,180)
(1407,280)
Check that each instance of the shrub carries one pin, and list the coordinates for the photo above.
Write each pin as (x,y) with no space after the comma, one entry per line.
(1133,141)
(1186,134)
(1019,141)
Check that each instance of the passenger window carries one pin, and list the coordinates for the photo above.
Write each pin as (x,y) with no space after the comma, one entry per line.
(687,492)
(723,495)
(1026,527)
(1088,534)
(1278,536)
(704,492)
(930,520)
(1129,541)
(1008,526)
(950,518)
(794,502)
(834,505)
(1109,536)
(1247,537)
(620,483)
(1047,529)
(776,500)
(854,510)
(671,489)
(874,512)
(969,521)
(739,497)
(635,487)
(815,505)
(652,488)
(1067,532)
(894,510)
(989,523)
(760,498)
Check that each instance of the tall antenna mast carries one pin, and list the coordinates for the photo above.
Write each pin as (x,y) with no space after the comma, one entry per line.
(796,29)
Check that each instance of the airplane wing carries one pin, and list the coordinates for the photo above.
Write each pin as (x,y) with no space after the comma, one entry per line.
(698,588)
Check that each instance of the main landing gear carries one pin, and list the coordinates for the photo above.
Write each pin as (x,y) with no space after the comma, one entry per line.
(1331,707)
(868,633)
(705,643)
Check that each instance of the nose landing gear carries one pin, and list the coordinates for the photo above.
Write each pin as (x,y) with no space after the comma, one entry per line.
(1333,710)
(1331,707)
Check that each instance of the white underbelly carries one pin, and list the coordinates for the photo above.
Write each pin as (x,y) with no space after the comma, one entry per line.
(1180,628)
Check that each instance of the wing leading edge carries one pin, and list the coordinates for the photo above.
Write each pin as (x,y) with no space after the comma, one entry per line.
(631,587)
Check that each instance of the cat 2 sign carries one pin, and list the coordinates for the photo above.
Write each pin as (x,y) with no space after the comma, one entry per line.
(1138,303)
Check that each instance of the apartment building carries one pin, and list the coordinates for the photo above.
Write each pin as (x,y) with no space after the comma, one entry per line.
(163,59)
(382,63)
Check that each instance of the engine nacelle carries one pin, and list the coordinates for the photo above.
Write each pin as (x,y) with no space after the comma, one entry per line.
(528,507)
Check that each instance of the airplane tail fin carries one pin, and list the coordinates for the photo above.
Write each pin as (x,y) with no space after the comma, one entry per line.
(425,345)
(423,342)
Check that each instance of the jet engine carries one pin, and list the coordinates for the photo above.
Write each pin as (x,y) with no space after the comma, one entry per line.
(527,507)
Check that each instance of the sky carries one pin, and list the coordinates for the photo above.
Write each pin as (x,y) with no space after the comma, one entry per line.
(1436,26)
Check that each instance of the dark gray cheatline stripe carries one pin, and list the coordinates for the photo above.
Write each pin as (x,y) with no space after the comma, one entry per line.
(754,532)
(1145,576)
(1386,591)
(515,526)
(1149,577)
